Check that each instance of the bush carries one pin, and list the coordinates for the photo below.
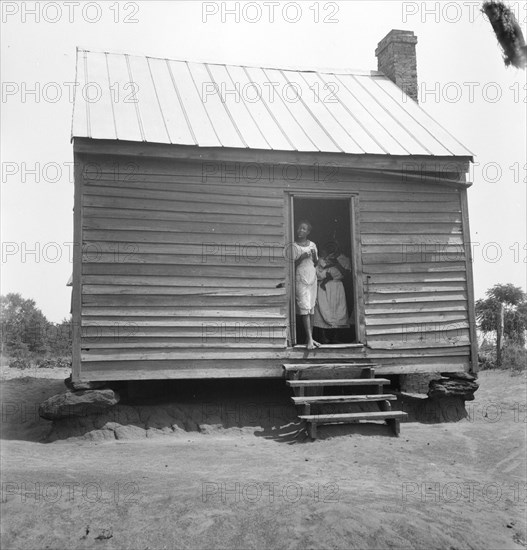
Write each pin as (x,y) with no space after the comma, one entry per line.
(486,359)
(21,359)
(26,360)
(513,357)
(20,363)
(54,362)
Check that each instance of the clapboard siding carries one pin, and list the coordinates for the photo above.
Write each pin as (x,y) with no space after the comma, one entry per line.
(107,218)
(436,268)
(392,327)
(163,205)
(230,235)
(210,254)
(162,300)
(197,285)
(438,229)
(260,170)
(207,325)
(179,195)
(273,272)
(181,262)
(176,268)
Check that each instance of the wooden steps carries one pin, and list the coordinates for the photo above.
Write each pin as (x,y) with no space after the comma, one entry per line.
(390,417)
(314,378)
(335,418)
(339,382)
(343,398)
(314,371)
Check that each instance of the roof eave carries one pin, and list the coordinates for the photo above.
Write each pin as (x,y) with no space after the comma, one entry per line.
(448,170)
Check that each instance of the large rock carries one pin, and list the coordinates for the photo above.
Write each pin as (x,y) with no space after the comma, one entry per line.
(79,403)
(462,388)
(432,411)
(459,375)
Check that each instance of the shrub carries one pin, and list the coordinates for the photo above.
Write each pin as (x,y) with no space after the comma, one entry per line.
(21,361)
(514,357)
(54,362)
(25,360)
(486,359)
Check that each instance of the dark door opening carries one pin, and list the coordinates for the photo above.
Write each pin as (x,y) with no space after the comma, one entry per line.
(331,221)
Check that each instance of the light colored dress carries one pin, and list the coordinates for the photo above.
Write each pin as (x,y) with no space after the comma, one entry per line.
(331,310)
(305,279)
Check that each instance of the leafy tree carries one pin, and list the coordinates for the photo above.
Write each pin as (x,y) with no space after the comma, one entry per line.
(24,326)
(504,311)
(60,337)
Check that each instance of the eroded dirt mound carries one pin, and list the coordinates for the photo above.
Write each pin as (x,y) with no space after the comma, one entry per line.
(150,409)
(134,421)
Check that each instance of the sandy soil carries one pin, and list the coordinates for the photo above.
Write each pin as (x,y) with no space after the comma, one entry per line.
(257,482)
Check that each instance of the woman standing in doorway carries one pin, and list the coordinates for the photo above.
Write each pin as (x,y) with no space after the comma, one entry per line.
(306,257)
(331,311)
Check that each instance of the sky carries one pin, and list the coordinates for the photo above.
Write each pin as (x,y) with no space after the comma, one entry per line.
(464,85)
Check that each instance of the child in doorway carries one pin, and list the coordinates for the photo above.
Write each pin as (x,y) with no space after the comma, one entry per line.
(306,257)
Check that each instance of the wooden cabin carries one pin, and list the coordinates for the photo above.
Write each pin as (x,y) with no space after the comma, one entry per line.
(189,179)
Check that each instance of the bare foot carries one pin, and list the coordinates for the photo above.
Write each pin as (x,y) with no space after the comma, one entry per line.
(312,344)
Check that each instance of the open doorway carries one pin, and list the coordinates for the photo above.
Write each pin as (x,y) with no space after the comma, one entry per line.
(331,223)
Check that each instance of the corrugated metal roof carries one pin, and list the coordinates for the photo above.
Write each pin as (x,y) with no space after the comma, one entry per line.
(147,99)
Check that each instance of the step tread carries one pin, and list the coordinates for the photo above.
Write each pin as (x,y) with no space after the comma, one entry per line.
(380,415)
(339,382)
(343,398)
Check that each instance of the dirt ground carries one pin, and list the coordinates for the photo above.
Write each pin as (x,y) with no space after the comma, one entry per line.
(152,482)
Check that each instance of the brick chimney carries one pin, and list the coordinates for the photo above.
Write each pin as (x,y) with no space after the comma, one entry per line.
(397,60)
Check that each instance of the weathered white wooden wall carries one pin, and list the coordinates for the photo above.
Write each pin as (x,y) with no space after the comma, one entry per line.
(180,262)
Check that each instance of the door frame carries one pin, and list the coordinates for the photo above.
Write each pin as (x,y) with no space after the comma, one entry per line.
(356,261)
